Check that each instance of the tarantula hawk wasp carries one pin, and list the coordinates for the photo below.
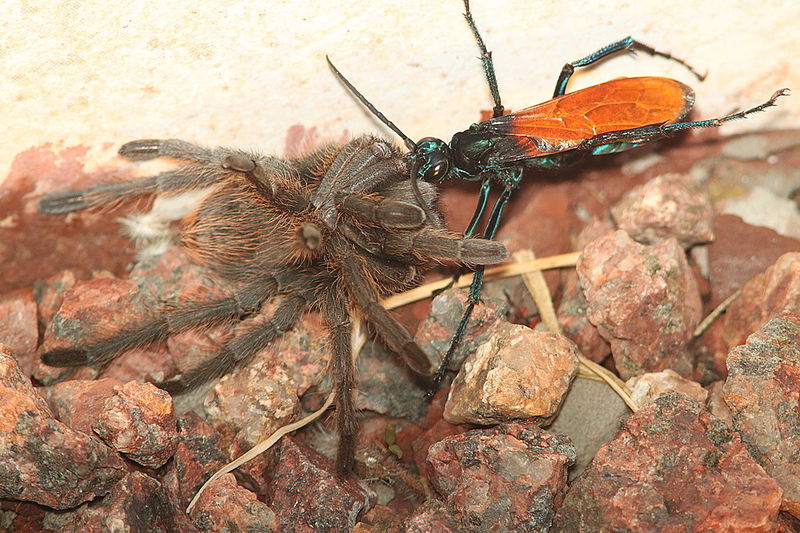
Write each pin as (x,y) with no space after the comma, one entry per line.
(606,118)
(333,231)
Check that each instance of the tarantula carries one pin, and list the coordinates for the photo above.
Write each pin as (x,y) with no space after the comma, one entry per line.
(334,231)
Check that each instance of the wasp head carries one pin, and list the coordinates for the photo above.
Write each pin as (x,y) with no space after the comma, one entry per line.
(431,159)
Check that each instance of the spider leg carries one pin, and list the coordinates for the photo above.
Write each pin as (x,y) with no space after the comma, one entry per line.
(190,315)
(388,214)
(144,149)
(365,164)
(433,244)
(243,347)
(335,312)
(183,179)
(276,180)
(210,166)
(365,292)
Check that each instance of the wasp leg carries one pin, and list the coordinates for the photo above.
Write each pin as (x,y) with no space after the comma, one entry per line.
(628,44)
(480,208)
(714,122)
(483,197)
(474,291)
(656,131)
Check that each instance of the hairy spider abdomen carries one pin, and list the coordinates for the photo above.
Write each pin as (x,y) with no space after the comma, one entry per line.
(240,234)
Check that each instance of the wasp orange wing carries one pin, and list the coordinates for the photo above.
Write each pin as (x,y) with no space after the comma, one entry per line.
(562,123)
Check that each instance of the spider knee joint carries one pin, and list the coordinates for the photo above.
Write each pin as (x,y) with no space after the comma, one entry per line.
(238,163)
(381,150)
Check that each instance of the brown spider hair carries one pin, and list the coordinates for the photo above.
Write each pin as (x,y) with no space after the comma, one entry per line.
(333,231)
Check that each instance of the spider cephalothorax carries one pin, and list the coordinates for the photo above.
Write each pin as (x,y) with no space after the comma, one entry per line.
(334,231)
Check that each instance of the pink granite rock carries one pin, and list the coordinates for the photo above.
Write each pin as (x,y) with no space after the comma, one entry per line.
(91,309)
(644,301)
(387,386)
(647,387)
(710,351)
(261,396)
(137,503)
(517,373)
(415,439)
(139,421)
(763,393)
(382,518)
(670,205)
(252,403)
(79,403)
(672,467)
(576,325)
(23,516)
(573,306)
(441,429)
(432,517)
(716,403)
(41,459)
(197,457)
(435,333)
(767,295)
(225,506)
(509,478)
(19,329)
(50,294)
(741,251)
(307,496)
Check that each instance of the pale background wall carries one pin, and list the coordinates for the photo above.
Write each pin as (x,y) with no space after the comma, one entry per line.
(240,73)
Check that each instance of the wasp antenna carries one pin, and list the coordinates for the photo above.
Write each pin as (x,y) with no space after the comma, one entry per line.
(486,59)
(361,98)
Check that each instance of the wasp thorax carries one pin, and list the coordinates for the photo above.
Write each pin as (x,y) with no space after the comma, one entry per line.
(433,159)
(311,235)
